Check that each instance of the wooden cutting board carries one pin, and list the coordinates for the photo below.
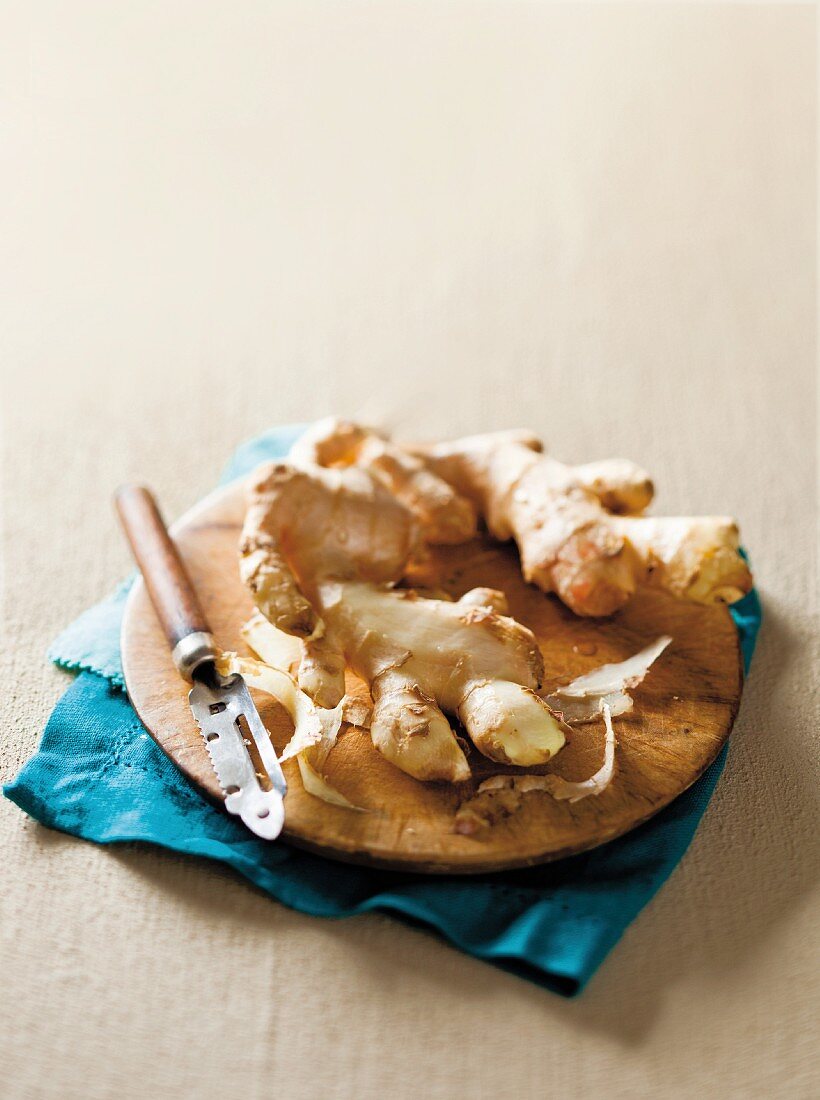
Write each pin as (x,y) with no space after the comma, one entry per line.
(683,714)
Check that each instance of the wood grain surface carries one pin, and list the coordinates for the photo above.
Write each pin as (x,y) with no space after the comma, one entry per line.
(683,714)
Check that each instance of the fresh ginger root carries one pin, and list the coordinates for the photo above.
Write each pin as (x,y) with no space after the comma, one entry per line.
(578,528)
(445,516)
(321,551)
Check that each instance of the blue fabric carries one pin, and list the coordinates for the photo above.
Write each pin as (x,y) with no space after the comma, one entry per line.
(97,774)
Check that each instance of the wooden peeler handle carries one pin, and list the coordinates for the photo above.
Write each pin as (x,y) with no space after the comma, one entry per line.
(169,586)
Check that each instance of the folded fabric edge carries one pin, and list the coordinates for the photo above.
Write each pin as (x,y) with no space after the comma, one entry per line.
(91,643)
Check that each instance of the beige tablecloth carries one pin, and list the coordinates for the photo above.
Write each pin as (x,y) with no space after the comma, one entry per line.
(597,221)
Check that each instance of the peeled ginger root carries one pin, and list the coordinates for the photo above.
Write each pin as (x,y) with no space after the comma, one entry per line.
(321,551)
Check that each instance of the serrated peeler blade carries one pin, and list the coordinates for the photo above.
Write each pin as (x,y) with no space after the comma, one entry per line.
(225,714)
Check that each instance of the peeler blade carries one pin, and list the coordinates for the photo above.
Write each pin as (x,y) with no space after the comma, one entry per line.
(226,714)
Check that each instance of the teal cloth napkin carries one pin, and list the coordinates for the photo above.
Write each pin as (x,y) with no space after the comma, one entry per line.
(98,775)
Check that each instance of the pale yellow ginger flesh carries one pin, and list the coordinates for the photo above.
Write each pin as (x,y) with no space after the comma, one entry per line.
(578,529)
(603,692)
(468,659)
(321,551)
(502,795)
(284,651)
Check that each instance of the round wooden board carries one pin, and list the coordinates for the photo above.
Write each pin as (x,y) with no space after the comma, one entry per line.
(683,714)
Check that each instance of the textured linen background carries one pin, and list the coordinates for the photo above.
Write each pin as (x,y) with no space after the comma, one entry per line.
(596,220)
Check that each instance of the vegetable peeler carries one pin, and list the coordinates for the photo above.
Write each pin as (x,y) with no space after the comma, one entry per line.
(237,742)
